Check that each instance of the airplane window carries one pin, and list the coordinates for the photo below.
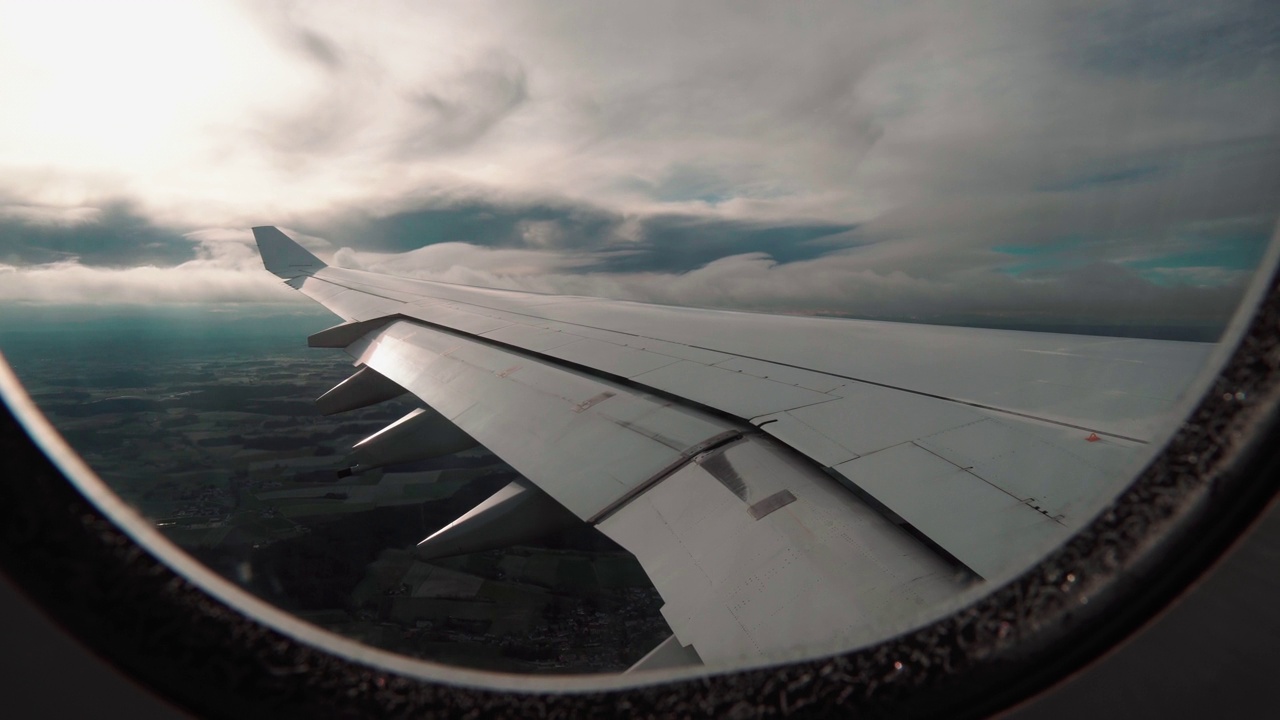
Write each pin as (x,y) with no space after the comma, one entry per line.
(625,342)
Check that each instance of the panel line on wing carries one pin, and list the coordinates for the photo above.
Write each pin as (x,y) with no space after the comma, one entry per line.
(713,443)
(365,290)
(958,401)
(976,475)
(586,369)
(922,393)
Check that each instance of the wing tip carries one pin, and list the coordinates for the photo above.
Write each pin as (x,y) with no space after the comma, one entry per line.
(282,255)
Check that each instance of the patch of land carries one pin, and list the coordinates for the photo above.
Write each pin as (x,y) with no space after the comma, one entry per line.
(226,454)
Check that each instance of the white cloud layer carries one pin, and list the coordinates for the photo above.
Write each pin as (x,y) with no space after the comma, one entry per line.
(226,270)
(846,283)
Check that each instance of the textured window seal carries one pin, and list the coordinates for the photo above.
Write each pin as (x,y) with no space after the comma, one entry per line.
(1211,480)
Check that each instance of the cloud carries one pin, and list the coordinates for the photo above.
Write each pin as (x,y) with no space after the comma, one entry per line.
(833,114)
(456,111)
(49,215)
(1226,41)
(194,282)
(224,268)
(918,155)
(191,283)
(113,234)
(320,49)
(617,242)
(462,262)
(852,283)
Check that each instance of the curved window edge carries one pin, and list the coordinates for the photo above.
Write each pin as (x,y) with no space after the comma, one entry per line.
(1212,479)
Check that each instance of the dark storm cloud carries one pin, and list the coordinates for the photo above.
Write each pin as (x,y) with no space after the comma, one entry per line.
(116,235)
(675,244)
(476,222)
(711,184)
(604,241)
(1146,38)
(1118,176)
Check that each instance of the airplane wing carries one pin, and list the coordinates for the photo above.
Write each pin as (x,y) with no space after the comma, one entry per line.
(784,481)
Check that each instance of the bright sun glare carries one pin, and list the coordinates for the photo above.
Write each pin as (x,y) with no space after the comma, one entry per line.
(148,74)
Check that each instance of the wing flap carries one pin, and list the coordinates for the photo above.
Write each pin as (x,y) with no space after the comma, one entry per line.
(340,336)
(818,570)
(608,439)
(979,524)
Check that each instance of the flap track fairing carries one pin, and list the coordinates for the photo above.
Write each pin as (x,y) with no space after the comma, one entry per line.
(422,434)
(366,387)
(516,514)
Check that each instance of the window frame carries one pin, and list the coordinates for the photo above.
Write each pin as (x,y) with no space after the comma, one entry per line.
(1211,480)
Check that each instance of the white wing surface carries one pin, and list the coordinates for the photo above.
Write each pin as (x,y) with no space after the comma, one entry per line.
(784,481)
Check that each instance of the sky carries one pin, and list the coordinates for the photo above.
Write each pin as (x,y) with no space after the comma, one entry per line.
(939,161)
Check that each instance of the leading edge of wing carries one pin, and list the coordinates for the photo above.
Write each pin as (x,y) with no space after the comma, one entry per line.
(282,255)
(1118,387)
(629,416)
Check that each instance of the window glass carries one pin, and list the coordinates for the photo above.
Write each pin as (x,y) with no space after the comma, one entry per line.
(987,253)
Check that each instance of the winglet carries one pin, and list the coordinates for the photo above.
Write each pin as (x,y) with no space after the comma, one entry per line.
(281,255)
